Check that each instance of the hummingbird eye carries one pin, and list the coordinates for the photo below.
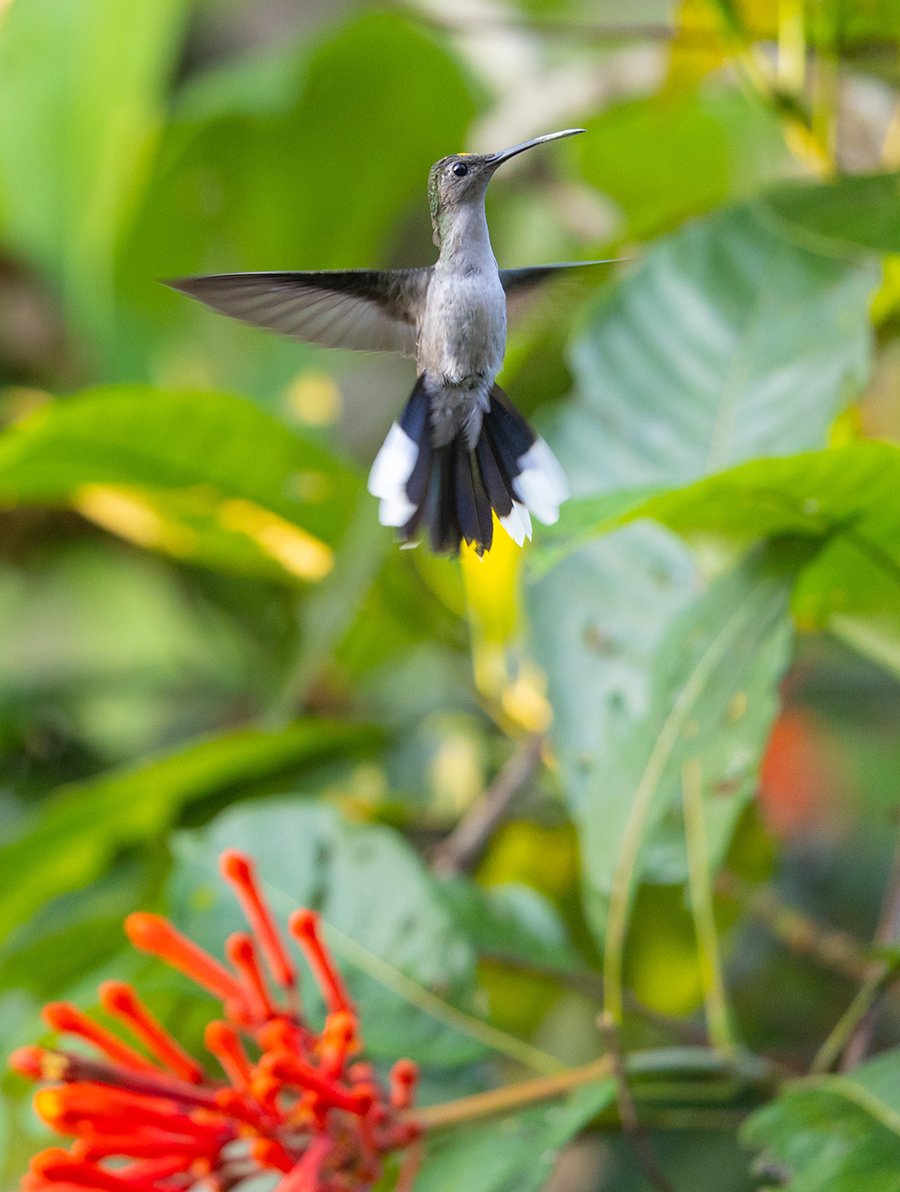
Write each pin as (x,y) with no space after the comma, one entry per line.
(460,169)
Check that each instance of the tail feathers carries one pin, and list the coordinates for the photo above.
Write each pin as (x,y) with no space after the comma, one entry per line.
(453,489)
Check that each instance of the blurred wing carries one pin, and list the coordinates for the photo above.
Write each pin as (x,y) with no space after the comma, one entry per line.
(524,285)
(358,309)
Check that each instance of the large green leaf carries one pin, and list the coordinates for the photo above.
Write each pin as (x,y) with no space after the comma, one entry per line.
(712,696)
(202,476)
(667,156)
(78,831)
(596,621)
(81,88)
(727,342)
(312,157)
(860,211)
(834,1133)
(843,497)
(385,917)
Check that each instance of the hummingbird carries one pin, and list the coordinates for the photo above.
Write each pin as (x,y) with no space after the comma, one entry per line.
(460,451)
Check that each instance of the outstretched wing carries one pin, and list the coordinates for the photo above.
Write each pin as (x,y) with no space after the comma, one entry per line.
(362,310)
(523,285)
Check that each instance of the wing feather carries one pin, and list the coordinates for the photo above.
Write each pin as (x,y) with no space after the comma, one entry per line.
(362,310)
(523,285)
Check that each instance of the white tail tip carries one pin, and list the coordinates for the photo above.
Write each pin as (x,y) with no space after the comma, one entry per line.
(390,474)
(541,483)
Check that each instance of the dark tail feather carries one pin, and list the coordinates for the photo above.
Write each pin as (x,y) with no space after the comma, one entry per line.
(473,509)
(453,489)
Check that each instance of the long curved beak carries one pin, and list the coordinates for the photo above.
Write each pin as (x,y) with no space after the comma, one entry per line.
(505,154)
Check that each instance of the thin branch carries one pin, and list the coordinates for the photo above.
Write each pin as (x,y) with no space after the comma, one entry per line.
(512,1096)
(835,950)
(752,1071)
(718,1017)
(461,849)
(887,932)
(844,1029)
(625,871)
(631,1127)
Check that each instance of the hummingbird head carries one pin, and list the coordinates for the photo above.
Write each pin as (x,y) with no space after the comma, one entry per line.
(461,180)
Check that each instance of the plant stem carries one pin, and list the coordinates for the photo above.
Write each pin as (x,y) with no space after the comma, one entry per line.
(835,950)
(791,66)
(852,1031)
(887,932)
(624,875)
(675,1061)
(464,845)
(631,1127)
(512,1096)
(717,1015)
(842,1031)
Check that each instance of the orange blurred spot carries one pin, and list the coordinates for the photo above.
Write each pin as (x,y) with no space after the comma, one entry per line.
(796,778)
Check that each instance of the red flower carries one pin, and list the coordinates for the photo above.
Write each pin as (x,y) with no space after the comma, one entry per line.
(293,1101)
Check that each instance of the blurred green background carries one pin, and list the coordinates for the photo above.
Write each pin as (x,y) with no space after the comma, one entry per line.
(206,639)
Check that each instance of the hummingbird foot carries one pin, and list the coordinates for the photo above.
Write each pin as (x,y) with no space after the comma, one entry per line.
(455,489)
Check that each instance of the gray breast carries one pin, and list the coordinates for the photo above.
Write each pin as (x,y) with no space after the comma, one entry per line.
(463,334)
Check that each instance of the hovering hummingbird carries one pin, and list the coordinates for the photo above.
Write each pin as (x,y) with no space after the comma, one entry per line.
(460,449)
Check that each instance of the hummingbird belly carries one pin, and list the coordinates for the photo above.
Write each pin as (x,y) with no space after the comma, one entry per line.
(460,349)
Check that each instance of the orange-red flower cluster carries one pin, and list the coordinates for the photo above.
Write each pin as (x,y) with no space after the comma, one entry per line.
(293,1102)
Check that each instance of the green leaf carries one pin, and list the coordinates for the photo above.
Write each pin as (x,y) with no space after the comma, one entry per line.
(201,476)
(311,158)
(81,90)
(834,1133)
(79,830)
(843,497)
(384,915)
(726,343)
(860,211)
(510,921)
(676,155)
(596,621)
(712,696)
(509,1154)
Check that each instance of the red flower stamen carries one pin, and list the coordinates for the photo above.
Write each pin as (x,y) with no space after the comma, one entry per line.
(361,1073)
(56,1164)
(156,935)
(62,1016)
(242,1108)
(338,1041)
(237,868)
(145,1146)
(271,1154)
(68,1107)
(62,1065)
(282,1035)
(120,1000)
(304,926)
(222,1040)
(404,1078)
(242,955)
(32,1062)
(292,1070)
(301,1109)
